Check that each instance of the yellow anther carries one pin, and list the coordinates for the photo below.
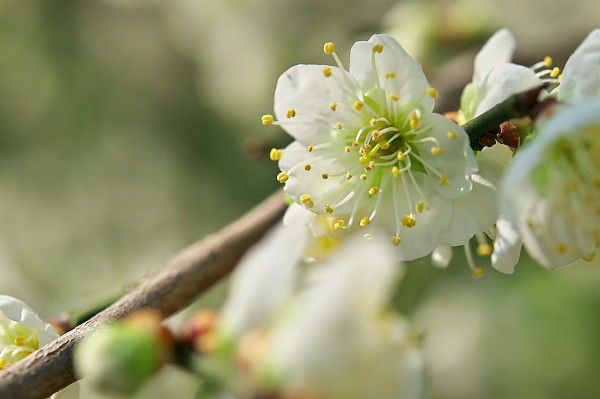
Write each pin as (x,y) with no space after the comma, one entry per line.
(339,224)
(478,272)
(415,121)
(267,120)
(307,167)
(310,148)
(432,92)
(401,156)
(348,175)
(560,77)
(555,72)
(393,97)
(396,171)
(395,240)
(363,160)
(561,248)
(372,164)
(374,190)
(333,105)
(485,250)
(590,257)
(290,113)
(20,341)
(328,209)
(437,150)
(373,122)
(275,154)
(548,61)
(364,221)
(328,48)
(327,71)
(376,134)
(390,75)
(307,200)
(444,180)
(283,177)
(355,143)
(363,177)
(385,146)
(358,105)
(408,221)
(378,48)
(452,135)
(420,205)
(2,363)
(347,148)
(325,176)
(339,125)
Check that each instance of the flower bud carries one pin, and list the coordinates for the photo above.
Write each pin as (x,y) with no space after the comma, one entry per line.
(121,357)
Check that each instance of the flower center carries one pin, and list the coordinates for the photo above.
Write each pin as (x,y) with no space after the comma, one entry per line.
(16,341)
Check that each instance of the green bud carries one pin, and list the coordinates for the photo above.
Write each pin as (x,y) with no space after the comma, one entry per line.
(120,358)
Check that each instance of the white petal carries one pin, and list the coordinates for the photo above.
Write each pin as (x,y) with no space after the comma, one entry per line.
(409,83)
(324,191)
(478,211)
(581,76)
(497,50)
(305,89)
(457,161)
(503,81)
(442,256)
(272,261)
(507,246)
(17,311)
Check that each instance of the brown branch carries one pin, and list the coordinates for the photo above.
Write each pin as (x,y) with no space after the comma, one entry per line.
(190,273)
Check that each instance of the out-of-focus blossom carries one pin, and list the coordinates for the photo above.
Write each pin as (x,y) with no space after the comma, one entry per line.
(21,331)
(550,194)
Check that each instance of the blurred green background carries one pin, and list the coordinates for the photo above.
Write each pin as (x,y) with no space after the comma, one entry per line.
(130,128)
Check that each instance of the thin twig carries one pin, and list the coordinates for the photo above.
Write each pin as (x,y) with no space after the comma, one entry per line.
(190,273)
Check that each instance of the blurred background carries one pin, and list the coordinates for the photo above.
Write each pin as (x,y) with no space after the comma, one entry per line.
(130,128)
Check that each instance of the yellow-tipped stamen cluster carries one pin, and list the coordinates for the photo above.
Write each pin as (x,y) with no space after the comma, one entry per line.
(17,340)
(381,144)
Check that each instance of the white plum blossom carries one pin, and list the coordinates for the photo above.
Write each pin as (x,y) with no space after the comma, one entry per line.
(340,340)
(495,77)
(551,193)
(21,331)
(370,153)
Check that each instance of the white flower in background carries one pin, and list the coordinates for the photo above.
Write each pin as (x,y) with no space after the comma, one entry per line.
(340,340)
(495,78)
(581,76)
(369,150)
(551,193)
(21,331)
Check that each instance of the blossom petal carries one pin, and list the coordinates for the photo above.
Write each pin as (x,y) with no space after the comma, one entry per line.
(441,256)
(507,246)
(478,211)
(324,191)
(497,50)
(409,82)
(273,259)
(305,89)
(457,161)
(581,75)
(503,81)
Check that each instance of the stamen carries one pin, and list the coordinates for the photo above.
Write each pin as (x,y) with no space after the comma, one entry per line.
(443,180)
(555,72)
(395,240)
(348,175)
(389,75)
(275,154)
(437,150)
(420,205)
(409,221)
(327,71)
(396,172)
(338,225)
(328,209)
(378,48)
(452,135)
(282,177)
(333,105)
(432,92)
(339,125)
(267,119)
(364,221)
(484,249)
(310,148)
(307,167)
(290,113)
(328,48)
(307,200)
(393,97)
(325,176)
(373,190)
(477,271)
(358,105)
